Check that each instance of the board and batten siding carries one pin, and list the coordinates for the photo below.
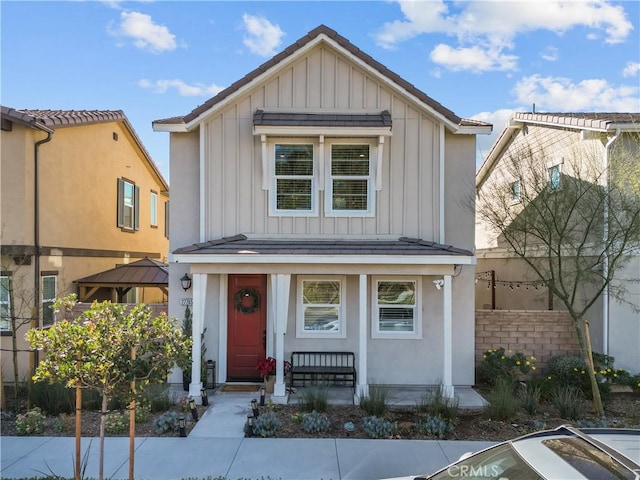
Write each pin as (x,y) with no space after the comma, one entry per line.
(407,204)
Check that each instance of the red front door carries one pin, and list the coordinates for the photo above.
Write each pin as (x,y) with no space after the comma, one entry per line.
(247,326)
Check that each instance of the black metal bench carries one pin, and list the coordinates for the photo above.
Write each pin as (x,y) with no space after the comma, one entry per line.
(325,368)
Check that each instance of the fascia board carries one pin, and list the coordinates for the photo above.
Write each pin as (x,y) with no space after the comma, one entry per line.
(474,130)
(274,130)
(169,127)
(249,257)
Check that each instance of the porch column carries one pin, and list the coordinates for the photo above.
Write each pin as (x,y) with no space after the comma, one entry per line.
(280,285)
(199,297)
(447,361)
(363,302)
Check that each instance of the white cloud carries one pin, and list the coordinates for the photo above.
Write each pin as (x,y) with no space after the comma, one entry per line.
(550,54)
(183,89)
(492,26)
(631,69)
(146,34)
(263,37)
(474,58)
(558,94)
(499,119)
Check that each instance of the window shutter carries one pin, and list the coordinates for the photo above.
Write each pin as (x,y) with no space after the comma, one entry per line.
(120,220)
(166,219)
(136,208)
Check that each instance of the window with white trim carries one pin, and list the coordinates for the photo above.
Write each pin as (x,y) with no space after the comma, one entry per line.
(396,308)
(320,307)
(49,283)
(128,205)
(154,209)
(295,190)
(5,303)
(349,185)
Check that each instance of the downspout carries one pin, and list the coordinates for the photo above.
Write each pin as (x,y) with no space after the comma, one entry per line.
(35,321)
(605,239)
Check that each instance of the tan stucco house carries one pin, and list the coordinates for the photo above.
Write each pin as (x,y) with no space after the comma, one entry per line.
(80,195)
(319,204)
(560,143)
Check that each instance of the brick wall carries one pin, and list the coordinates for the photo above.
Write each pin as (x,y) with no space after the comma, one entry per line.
(541,333)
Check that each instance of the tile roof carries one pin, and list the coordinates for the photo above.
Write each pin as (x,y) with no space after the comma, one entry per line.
(145,272)
(344,43)
(66,118)
(597,120)
(382,119)
(240,244)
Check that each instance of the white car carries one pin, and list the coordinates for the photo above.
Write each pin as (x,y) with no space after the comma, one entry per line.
(565,453)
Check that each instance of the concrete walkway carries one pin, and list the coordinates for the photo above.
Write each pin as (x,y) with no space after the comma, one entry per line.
(216,447)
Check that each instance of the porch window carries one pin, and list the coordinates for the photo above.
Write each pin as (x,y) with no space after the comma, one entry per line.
(48,297)
(5,303)
(396,310)
(320,307)
(350,182)
(295,189)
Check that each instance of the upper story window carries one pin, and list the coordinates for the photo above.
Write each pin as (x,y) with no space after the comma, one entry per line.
(320,311)
(554,177)
(295,183)
(48,297)
(349,188)
(154,209)
(128,205)
(515,191)
(5,303)
(396,308)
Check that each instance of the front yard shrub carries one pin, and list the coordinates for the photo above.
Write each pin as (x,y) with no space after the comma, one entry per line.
(376,402)
(165,422)
(437,404)
(315,422)
(378,427)
(31,422)
(266,425)
(314,397)
(568,400)
(116,422)
(529,395)
(498,364)
(52,398)
(156,396)
(502,403)
(435,426)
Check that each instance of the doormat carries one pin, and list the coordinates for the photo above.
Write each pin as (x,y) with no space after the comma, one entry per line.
(240,388)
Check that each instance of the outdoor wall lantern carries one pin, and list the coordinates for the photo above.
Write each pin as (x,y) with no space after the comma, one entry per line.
(182,426)
(194,410)
(254,407)
(186,282)
(205,398)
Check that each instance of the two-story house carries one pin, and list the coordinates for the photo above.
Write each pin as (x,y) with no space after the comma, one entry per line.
(80,195)
(320,203)
(557,147)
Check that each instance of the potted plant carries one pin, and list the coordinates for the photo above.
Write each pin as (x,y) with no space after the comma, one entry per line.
(267,370)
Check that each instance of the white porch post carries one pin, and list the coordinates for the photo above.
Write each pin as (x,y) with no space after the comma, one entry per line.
(363,386)
(447,361)
(199,298)
(221,368)
(280,285)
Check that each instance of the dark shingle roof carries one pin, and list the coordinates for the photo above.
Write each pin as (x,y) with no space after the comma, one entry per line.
(382,119)
(240,244)
(344,43)
(145,272)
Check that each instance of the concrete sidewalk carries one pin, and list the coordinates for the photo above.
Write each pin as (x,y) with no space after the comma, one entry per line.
(216,447)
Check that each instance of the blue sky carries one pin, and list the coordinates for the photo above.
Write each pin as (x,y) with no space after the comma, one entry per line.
(158,59)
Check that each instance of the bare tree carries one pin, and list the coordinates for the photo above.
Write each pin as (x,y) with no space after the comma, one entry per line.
(574,230)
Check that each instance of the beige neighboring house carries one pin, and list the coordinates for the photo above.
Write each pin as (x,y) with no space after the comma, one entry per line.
(80,195)
(556,139)
(320,202)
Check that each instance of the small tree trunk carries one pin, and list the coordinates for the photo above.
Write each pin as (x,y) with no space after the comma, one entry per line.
(103,419)
(595,391)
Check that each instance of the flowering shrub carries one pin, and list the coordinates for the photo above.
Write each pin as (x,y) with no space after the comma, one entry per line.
(30,422)
(267,367)
(116,422)
(500,364)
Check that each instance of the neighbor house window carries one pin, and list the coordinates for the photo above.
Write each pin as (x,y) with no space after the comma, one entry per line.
(320,307)
(396,308)
(48,297)
(295,189)
(5,303)
(515,191)
(349,187)
(554,177)
(128,205)
(154,209)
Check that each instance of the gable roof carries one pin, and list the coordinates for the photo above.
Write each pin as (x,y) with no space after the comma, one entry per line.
(321,32)
(593,121)
(50,120)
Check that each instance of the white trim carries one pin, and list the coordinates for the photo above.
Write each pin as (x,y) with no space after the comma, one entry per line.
(265,162)
(447,340)
(199,299)
(202,179)
(223,329)
(297,131)
(363,386)
(416,333)
(441,179)
(342,318)
(282,289)
(321,163)
(379,163)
